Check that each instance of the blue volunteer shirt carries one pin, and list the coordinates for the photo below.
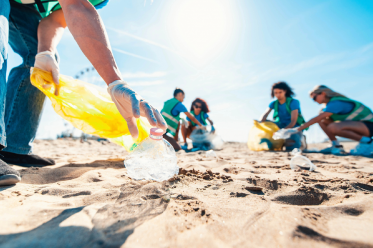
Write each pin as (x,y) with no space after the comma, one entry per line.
(198,117)
(284,116)
(179,108)
(339,107)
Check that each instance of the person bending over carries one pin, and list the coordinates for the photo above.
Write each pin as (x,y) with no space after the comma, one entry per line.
(199,110)
(287,113)
(342,117)
(171,112)
(33,29)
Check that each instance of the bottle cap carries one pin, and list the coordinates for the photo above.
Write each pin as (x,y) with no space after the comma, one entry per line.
(156,133)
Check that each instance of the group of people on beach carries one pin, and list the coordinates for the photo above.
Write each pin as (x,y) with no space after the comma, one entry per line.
(33,29)
(341,116)
(197,117)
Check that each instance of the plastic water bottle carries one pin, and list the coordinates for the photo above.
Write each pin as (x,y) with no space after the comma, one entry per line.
(152,159)
(299,160)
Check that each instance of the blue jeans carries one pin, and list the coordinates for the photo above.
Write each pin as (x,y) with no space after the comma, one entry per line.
(21,103)
(297,138)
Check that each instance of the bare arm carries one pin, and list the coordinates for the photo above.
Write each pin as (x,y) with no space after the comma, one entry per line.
(211,122)
(88,30)
(314,120)
(50,31)
(192,118)
(265,115)
(294,118)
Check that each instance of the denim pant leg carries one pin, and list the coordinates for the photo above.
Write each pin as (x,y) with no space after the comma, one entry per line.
(4,34)
(24,101)
(297,138)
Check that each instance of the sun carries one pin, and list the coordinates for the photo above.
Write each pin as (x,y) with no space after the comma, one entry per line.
(200,29)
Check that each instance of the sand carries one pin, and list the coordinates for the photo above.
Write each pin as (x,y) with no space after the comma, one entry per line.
(239,199)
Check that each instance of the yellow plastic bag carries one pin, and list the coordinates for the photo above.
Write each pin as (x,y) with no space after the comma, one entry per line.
(89,108)
(260,137)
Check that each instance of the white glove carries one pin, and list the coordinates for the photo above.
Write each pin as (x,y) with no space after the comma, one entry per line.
(131,105)
(47,62)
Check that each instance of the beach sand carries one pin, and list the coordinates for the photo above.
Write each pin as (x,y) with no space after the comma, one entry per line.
(239,199)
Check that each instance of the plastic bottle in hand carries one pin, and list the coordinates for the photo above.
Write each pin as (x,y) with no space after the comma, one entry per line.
(152,159)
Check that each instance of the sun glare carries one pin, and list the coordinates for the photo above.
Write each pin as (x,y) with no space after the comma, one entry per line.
(200,29)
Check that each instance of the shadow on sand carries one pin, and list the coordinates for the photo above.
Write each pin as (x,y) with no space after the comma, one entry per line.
(112,223)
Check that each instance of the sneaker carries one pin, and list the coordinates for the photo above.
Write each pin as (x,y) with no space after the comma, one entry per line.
(184,147)
(26,160)
(363,149)
(8,175)
(336,150)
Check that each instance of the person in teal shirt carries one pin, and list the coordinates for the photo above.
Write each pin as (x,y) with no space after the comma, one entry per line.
(171,111)
(199,110)
(342,117)
(287,113)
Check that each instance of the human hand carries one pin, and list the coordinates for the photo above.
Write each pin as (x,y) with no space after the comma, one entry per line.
(47,62)
(131,106)
(202,127)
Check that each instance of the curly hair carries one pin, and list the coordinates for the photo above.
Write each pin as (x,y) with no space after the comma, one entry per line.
(282,86)
(205,107)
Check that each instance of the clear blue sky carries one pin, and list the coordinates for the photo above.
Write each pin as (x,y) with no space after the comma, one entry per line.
(231,52)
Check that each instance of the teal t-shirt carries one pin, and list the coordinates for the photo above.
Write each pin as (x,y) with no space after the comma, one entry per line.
(284,116)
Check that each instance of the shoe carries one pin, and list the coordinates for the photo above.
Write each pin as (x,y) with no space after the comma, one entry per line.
(8,175)
(184,147)
(363,149)
(26,160)
(335,150)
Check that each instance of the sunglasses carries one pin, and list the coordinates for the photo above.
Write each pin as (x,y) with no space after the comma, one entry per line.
(196,106)
(314,98)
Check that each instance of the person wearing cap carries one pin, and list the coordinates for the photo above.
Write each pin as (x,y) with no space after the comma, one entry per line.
(341,117)
(171,111)
(33,29)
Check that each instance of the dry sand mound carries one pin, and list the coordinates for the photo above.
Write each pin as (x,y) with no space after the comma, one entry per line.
(239,199)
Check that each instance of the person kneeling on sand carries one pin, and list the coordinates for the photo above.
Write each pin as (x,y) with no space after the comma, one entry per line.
(199,110)
(342,117)
(171,112)
(287,113)
(35,29)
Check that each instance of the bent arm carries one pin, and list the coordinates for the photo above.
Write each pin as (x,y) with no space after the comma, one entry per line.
(314,120)
(294,118)
(89,32)
(211,122)
(192,118)
(50,31)
(265,115)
